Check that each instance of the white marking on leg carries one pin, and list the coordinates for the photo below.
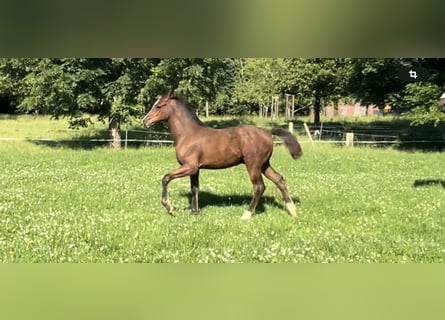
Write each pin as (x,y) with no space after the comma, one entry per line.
(290,206)
(246,215)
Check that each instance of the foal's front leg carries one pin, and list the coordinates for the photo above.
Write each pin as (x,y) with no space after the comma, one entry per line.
(183,171)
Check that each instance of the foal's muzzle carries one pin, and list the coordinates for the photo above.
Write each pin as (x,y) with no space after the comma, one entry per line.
(147,122)
(146,125)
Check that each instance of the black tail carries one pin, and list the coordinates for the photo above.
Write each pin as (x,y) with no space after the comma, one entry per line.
(289,141)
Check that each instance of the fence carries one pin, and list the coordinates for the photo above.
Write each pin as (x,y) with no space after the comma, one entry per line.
(408,137)
(322,134)
(135,137)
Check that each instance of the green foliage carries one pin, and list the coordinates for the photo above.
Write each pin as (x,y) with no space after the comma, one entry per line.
(374,79)
(308,79)
(421,102)
(199,80)
(258,80)
(74,88)
(121,112)
(324,77)
(314,80)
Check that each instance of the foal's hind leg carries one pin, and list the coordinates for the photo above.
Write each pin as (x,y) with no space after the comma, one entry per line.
(258,190)
(194,186)
(279,181)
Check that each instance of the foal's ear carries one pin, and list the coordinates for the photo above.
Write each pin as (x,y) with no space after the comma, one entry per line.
(170,94)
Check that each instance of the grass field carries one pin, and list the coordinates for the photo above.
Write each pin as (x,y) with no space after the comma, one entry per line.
(61,204)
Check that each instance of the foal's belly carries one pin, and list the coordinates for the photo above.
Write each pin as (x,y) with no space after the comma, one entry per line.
(220,165)
(220,160)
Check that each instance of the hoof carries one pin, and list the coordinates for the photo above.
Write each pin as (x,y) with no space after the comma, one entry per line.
(247,215)
(290,207)
(172,213)
(168,207)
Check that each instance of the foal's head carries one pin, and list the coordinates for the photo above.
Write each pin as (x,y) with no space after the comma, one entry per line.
(160,111)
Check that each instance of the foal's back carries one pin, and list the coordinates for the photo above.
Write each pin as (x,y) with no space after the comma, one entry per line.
(223,148)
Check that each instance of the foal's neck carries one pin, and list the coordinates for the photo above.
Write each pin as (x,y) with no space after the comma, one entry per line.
(183,122)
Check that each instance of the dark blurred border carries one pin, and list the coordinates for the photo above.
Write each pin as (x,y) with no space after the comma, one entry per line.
(284,291)
(318,28)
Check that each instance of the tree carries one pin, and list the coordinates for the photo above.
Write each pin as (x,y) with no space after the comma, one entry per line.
(76,88)
(374,80)
(422,102)
(201,80)
(258,82)
(422,99)
(317,79)
(121,91)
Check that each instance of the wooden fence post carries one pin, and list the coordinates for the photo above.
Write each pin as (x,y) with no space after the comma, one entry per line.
(349,139)
(308,133)
(291,127)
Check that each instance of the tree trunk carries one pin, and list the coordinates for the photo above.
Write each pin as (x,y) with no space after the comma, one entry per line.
(207,108)
(115,134)
(317,108)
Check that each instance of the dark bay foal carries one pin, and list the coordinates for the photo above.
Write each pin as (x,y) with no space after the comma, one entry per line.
(200,147)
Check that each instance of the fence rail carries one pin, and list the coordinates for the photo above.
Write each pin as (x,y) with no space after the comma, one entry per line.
(148,141)
(315,135)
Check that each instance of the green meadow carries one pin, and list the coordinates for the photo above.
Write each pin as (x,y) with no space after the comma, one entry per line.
(60,203)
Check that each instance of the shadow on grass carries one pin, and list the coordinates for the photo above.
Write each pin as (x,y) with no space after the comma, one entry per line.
(137,137)
(428,182)
(242,200)
(84,142)
(424,138)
